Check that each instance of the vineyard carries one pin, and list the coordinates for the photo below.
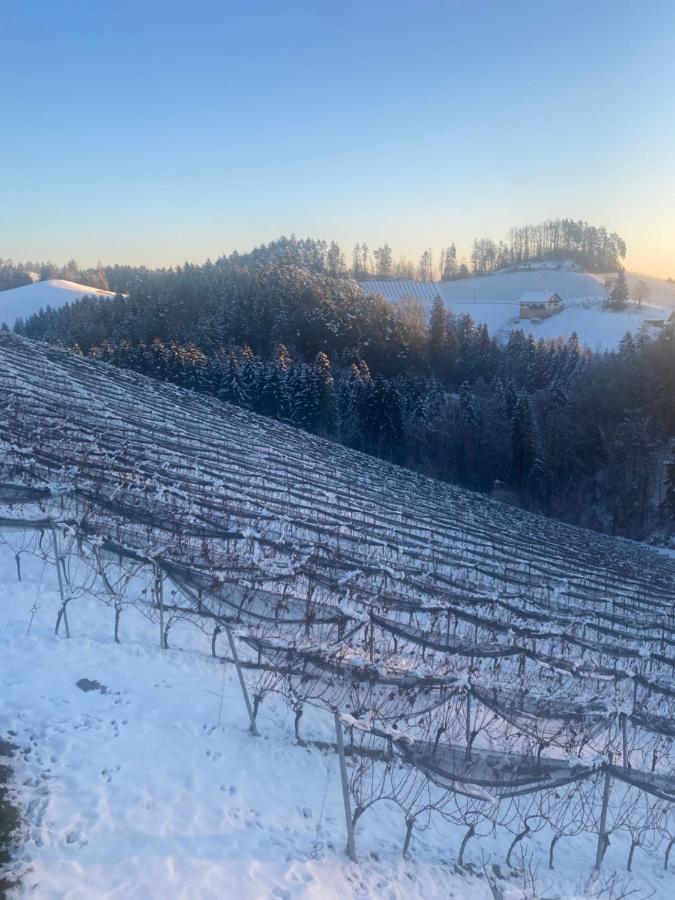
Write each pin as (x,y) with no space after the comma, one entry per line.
(480,665)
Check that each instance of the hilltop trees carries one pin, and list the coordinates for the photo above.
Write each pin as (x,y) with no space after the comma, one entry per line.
(12,276)
(425,269)
(383,261)
(559,240)
(449,264)
(591,246)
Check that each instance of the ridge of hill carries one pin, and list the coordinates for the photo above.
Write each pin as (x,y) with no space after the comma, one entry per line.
(25,301)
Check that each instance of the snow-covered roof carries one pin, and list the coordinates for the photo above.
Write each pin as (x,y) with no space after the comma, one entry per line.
(538,297)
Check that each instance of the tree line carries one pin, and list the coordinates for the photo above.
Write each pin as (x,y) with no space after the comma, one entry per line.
(588,246)
(544,424)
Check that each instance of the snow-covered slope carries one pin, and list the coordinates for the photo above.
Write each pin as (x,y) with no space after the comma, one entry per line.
(493,299)
(149,786)
(24,301)
(154,789)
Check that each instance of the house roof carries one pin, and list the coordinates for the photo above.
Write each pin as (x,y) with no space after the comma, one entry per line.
(538,296)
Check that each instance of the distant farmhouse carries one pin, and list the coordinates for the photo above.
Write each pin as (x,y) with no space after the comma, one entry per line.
(539,304)
(667,324)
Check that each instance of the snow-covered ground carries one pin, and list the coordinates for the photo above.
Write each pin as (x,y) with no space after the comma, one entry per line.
(492,299)
(154,789)
(25,301)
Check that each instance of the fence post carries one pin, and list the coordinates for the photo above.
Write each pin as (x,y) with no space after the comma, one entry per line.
(600,851)
(235,656)
(351,850)
(247,701)
(159,591)
(63,613)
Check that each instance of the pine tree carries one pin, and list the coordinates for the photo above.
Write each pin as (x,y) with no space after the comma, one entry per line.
(620,294)
(523,442)
(350,407)
(325,396)
(335,260)
(425,268)
(383,261)
(449,265)
(357,264)
(231,388)
(438,336)
(271,398)
(383,417)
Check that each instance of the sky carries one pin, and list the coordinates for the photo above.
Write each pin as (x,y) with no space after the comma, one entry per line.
(158,132)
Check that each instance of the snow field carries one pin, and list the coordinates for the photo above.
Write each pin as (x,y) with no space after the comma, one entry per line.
(139,792)
(493,300)
(25,301)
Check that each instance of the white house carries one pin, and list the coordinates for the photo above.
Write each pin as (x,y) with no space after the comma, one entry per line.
(539,304)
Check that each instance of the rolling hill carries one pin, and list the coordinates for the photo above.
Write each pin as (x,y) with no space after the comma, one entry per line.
(22,302)
(493,299)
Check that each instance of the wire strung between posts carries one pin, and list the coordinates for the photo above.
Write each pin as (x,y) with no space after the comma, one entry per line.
(318,843)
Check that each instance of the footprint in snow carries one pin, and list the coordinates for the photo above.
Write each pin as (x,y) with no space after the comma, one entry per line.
(75,838)
(108,774)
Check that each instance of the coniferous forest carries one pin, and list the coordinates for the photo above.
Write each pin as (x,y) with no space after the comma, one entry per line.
(286,332)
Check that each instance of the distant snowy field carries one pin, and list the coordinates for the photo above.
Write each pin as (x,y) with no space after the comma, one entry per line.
(493,299)
(154,789)
(25,301)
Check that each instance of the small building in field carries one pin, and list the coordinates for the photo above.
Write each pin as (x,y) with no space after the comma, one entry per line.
(539,304)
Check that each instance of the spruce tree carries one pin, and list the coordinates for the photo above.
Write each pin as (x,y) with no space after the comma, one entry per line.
(620,294)
(438,333)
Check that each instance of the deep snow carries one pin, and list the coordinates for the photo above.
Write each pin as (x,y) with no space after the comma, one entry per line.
(154,788)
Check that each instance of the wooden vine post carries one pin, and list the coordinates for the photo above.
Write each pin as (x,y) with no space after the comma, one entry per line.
(351,849)
(602,831)
(63,613)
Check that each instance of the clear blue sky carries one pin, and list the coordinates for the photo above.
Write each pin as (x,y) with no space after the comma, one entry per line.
(156,132)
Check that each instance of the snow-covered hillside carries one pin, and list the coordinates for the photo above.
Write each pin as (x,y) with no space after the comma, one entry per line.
(151,787)
(492,299)
(499,678)
(23,302)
